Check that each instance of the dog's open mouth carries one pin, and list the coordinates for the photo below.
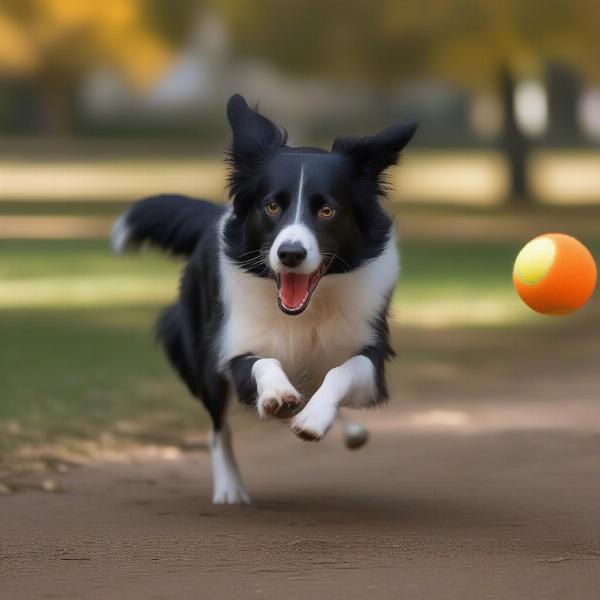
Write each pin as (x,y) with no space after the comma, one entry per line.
(294,290)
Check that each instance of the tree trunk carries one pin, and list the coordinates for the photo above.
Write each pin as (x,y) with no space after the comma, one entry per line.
(55,107)
(514,144)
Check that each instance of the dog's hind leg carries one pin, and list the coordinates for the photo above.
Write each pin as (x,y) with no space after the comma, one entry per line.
(228,487)
(208,385)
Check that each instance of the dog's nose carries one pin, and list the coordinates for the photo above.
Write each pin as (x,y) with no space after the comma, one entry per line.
(291,254)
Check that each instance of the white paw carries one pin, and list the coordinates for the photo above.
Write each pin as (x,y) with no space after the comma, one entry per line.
(315,420)
(230,491)
(281,402)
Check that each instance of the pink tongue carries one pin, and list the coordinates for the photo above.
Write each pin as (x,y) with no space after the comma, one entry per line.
(293,288)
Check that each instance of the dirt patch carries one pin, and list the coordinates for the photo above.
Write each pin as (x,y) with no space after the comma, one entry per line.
(481,480)
(434,512)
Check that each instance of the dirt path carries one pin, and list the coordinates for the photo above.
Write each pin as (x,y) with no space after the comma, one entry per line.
(481,481)
(430,509)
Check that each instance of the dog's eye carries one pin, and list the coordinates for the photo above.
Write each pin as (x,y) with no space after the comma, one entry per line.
(326,212)
(273,208)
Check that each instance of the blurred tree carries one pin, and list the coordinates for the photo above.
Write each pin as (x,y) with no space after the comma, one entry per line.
(55,42)
(483,43)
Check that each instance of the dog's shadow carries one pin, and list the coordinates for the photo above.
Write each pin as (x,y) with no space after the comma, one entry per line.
(361,510)
(352,513)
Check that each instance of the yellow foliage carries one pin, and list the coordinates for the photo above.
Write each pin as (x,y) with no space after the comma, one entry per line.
(386,41)
(16,54)
(62,38)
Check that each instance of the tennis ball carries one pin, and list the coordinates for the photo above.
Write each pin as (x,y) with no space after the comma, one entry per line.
(554,274)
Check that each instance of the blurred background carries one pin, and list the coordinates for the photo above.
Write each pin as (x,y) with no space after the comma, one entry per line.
(105,101)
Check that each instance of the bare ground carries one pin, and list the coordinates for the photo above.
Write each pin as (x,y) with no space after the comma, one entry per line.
(481,480)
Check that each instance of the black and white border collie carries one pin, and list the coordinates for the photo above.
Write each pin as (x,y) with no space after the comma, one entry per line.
(285,295)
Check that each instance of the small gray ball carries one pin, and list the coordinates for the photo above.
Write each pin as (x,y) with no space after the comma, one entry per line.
(355,436)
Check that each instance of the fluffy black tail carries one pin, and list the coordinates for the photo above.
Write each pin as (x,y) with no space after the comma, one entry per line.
(170,222)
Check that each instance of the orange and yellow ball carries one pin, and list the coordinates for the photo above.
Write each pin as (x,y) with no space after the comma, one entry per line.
(555,274)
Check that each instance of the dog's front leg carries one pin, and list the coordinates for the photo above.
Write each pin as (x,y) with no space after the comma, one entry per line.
(261,382)
(353,384)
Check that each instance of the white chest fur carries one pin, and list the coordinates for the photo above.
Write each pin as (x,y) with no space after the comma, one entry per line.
(335,325)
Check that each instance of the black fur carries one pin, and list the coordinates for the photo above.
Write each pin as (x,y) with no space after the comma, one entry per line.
(188,329)
(264,169)
(369,157)
(240,368)
(350,178)
(255,141)
(379,352)
(171,222)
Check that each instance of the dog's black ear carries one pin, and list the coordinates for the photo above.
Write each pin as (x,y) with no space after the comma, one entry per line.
(371,155)
(253,135)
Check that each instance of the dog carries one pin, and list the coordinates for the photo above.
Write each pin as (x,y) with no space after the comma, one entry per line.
(286,291)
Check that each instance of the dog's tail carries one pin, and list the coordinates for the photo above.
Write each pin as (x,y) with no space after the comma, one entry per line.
(171,222)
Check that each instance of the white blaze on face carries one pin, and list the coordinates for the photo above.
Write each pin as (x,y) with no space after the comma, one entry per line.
(297,233)
(299,196)
(296,284)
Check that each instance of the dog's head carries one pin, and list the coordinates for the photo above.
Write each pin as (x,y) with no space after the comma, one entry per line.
(300,214)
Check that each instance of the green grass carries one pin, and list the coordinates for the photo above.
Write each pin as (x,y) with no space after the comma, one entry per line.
(78,371)
(448,284)
(430,269)
(76,258)
(78,357)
